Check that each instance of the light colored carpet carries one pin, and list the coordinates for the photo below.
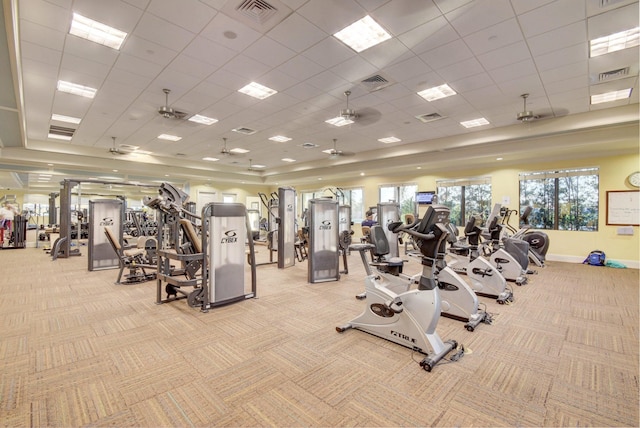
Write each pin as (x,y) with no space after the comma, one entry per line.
(78,350)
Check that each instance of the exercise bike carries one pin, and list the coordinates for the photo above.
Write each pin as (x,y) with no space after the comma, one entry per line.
(410,318)
(458,301)
(538,241)
(485,279)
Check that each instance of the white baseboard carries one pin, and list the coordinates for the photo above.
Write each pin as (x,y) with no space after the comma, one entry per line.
(632,264)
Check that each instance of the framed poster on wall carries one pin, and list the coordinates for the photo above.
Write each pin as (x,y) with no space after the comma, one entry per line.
(623,208)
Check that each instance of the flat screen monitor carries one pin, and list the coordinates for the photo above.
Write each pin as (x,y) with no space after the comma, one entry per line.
(425,198)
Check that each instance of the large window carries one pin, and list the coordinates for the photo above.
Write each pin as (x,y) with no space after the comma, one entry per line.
(465,197)
(403,194)
(561,199)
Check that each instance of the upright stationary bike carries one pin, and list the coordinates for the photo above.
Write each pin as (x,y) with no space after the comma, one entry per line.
(410,318)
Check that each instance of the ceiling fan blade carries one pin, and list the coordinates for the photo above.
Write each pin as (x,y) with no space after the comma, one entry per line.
(367,116)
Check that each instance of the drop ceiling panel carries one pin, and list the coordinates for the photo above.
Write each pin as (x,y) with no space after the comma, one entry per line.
(42,35)
(41,54)
(561,57)
(46,14)
(332,16)
(551,16)
(448,54)
(115,13)
(400,17)
(329,52)
(489,39)
(147,50)
(476,16)
(297,33)
(209,51)
(624,18)
(191,15)
(559,38)
(163,33)
(429,35)
(513,71)
(230,33)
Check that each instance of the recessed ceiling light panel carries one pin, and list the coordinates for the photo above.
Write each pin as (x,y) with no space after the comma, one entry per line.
(257,90)
(210,159)
(280,139)
(437,92)
(475,122)
(287,160)
(203,120)
(63,118)
(75,89)
(239,151)
(362,34)
(97,32)
(614,42)
(611,96)
(389,140)
(169,137)
(339,121)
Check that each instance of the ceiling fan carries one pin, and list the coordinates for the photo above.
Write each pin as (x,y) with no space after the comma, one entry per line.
(115,150)
(169,112)
(526,115)
(365,116)
(335,153)
(225,151)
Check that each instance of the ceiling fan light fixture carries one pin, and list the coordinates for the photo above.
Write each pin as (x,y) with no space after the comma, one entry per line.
(389,140)
(279,138)
(239,151)
(210,159)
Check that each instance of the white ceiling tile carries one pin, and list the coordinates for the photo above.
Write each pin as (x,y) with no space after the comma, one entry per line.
(459,70)
(329,52)
(476,81)
(429,35)
(300,68)
(504,56)
(386,53)
(270,52)
(246,67)
(498,36)
(46,14)
(524,6)
(576,70)
(41,54)
(332,16)
(327,81)
(624,18)
(191,66)
(297,33)
(230,33)
(41,35)
(477,15)
(114,13)
(595,7)
(513,71)
(163,33)
(192,15)
(209,51)
(91,68)
(137,66)
(446,6)
(227,79)
(354,69)
(448,54)
(408,68)
(530,84)
(562,37)
(147,50)
(91,51)
(560,57)
(551,16)
(399,17)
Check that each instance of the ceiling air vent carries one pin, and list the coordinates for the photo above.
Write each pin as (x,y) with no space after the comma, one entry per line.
(376,82)
(426,118)
(606,3)
(308,145)
(613,74)
(260,15)
(244,130)
(61,130)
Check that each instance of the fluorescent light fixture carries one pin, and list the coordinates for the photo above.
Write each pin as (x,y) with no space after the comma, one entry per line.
(63,118)
(210,159)
(75,89)
(614,42)
(339,121)
(141,152)
(45,175)
(389,140)
(96,32)
(256,90)
(239,151)
(437,92)
(203,120)
(362,34)
(257,165)
(328,151)
(475,122)
(280,139)
(611,96)
(169,137)
(59,137)
(287,160)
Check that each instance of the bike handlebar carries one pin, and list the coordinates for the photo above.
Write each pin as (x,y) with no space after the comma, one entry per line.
(398,226)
